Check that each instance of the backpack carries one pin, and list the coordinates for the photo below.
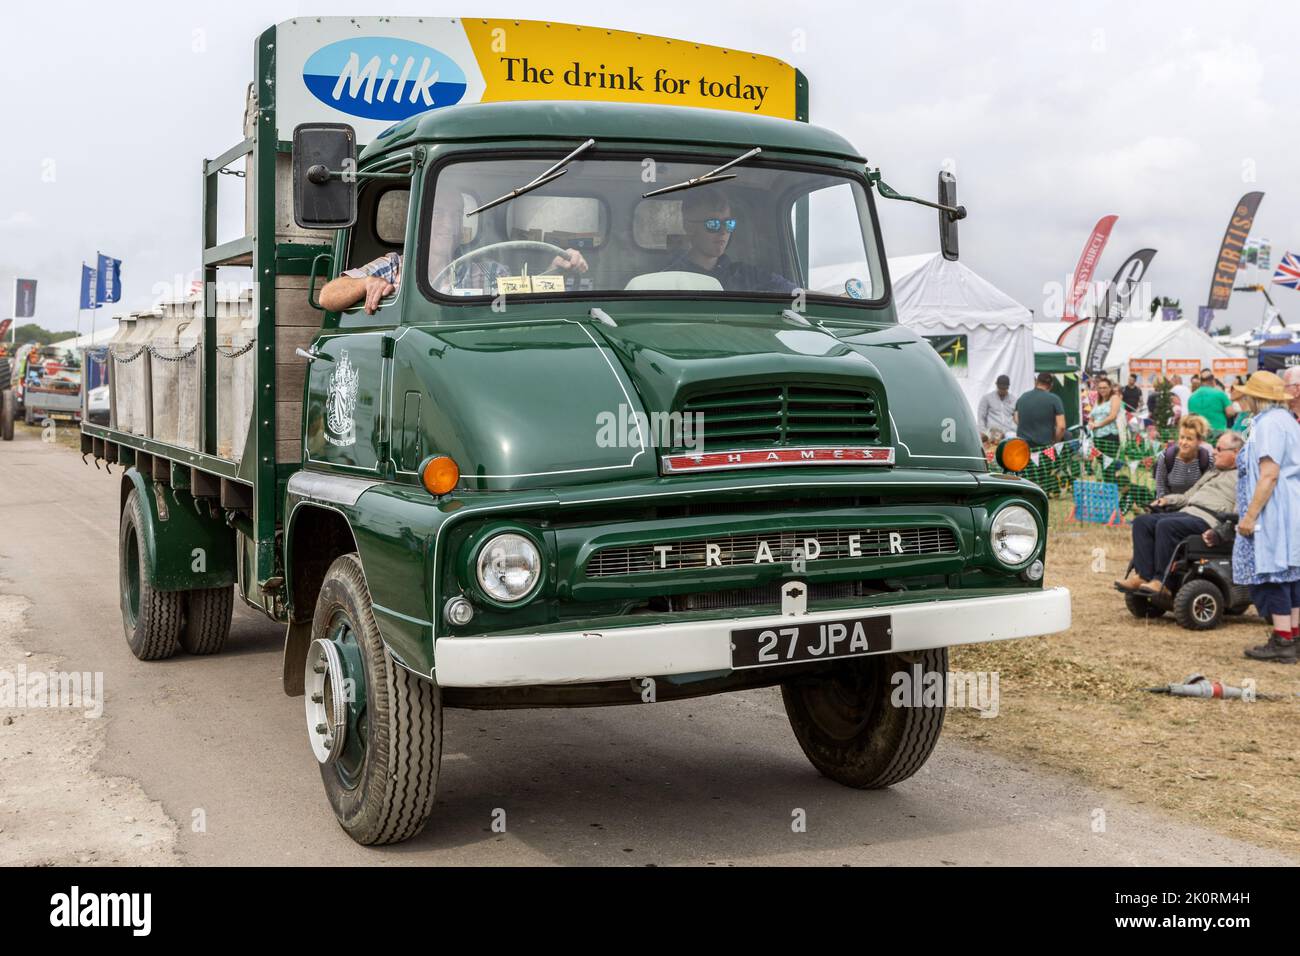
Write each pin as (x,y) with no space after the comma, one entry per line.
(1171,452)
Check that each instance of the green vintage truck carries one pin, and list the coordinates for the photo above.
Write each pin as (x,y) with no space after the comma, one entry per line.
(633,421)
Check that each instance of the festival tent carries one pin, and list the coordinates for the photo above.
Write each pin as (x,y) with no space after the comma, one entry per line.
(1064,364)
(1279,356)
(1135,338)
(980,330)
(98,337)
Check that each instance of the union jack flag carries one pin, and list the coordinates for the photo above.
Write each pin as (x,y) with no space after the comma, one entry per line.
(1288,271)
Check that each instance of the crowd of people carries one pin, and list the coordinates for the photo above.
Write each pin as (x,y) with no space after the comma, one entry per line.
(1245,487)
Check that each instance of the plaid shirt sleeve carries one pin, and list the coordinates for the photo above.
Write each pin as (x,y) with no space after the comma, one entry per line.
(386,267)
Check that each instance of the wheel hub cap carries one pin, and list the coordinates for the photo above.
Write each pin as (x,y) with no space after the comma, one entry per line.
(327,704)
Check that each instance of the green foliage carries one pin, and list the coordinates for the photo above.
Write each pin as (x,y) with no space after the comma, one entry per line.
(1163,415)
(31,332)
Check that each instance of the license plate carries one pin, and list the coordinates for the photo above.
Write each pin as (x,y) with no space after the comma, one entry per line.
(809,641)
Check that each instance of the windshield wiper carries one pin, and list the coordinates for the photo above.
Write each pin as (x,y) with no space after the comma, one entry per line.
(710,177)
(555,172)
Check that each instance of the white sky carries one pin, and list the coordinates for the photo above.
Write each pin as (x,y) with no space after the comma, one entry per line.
(1054,114)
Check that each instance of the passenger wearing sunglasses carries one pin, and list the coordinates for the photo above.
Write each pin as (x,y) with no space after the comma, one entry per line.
(709,222)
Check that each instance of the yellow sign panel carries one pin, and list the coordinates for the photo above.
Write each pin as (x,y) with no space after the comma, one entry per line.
(532,60)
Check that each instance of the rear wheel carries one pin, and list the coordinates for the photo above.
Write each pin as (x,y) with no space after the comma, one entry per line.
(851,729)
(207,619)
(1141,607)
(8,412)
(151,619)
(1198,605)
(375,727)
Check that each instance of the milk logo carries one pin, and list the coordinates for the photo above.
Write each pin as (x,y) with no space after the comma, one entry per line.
(383,78)
(341,403)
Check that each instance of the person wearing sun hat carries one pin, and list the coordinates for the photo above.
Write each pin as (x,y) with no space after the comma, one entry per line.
(1266,551)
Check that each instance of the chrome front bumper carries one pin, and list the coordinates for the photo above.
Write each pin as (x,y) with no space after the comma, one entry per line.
(579,657)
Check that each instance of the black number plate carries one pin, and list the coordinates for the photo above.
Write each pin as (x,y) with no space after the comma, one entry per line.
(787,643)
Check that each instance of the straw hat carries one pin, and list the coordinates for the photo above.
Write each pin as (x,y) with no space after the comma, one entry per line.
(1263,385)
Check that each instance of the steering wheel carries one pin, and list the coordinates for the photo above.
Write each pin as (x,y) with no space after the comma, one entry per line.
(510,245)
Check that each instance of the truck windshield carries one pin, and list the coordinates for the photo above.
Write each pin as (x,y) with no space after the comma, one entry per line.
(769,231)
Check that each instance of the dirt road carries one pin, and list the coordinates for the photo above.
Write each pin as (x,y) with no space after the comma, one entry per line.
(205,761)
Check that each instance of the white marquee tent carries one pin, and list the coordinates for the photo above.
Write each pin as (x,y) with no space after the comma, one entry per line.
(937,297)
(1135,338)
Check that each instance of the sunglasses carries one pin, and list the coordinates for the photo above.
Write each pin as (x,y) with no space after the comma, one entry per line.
(716,225)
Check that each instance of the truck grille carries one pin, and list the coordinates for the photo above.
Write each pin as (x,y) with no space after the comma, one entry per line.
(786,414)
(742,549)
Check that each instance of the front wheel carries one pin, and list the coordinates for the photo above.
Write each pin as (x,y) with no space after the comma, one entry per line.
(375,727)
(1141,608)
(855,726)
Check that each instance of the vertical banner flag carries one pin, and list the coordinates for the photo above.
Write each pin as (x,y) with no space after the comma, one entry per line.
(1288,271)
(1230,250)
(88,300)
(1087,263)
(24,298)
(1204,317)
(1114,305)
(4,327)
(108,281)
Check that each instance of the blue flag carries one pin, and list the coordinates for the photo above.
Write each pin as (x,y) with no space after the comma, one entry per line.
(88,300)
(108,282)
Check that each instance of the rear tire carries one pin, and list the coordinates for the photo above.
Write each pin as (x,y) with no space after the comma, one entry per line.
(8,412)
(850,729)
(207,619)
(1198,605)
(150,618)
(384,792)
(1141,607)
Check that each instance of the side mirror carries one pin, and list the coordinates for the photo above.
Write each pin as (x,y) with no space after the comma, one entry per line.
(948,220)
(324,175)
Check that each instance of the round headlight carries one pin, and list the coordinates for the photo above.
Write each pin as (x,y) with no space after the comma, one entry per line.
(509,567)
(1014,535)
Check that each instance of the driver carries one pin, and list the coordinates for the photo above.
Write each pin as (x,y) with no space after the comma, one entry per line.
(709,223)
(381,277)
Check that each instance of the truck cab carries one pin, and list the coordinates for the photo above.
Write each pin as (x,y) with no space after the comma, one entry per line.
(633,421)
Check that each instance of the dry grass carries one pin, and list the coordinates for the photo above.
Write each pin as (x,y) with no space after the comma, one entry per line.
(1075,702)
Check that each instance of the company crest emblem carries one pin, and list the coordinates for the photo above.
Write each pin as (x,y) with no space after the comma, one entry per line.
(341,403)
(383,78)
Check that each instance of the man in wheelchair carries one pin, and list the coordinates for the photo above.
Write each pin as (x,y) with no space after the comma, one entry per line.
(1174,517)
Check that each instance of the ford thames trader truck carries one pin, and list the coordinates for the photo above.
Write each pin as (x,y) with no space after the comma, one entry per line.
(629,419)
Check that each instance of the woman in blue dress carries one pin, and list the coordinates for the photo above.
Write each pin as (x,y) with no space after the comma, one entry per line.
(1266,552)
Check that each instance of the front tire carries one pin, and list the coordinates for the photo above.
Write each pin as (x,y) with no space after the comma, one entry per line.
(382,783)
(150,618)
(850,729)
(1198,605)
(1141,608)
